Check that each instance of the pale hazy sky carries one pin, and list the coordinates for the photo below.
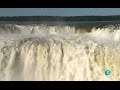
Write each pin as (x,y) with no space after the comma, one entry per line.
(58,11)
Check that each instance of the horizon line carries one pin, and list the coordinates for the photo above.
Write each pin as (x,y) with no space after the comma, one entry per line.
(59,16)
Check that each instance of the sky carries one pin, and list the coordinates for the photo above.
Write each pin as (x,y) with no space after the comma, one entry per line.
(59,11)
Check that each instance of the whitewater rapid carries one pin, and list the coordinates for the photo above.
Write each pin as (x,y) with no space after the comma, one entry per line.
(40,52)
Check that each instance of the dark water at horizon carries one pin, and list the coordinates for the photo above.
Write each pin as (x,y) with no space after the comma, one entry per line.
(61,22)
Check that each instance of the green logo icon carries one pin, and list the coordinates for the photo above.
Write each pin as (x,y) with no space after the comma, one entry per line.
(107,72)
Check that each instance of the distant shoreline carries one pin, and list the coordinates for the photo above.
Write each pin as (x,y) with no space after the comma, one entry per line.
(60,18)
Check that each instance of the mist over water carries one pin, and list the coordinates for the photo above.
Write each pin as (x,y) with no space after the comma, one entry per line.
(59,52)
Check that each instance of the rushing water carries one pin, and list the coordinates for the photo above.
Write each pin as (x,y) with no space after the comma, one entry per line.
(59,52)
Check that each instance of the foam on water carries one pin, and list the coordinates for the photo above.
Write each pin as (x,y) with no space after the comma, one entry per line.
(58,53)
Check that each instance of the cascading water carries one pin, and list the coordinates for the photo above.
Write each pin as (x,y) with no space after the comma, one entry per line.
(43,52)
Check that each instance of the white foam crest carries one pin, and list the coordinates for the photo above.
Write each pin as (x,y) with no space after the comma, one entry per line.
(54,54)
